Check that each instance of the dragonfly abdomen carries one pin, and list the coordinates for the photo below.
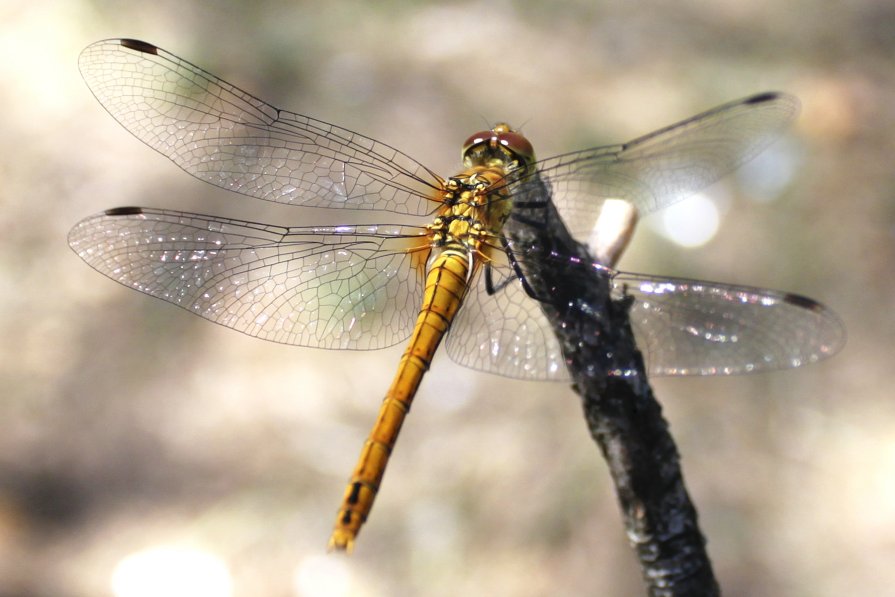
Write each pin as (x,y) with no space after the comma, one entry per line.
(446,284)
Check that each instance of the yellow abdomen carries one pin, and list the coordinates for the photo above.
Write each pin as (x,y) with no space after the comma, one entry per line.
(446,284)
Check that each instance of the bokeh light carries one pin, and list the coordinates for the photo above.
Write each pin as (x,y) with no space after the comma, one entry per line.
(323,576)
(690,223)
(172,572)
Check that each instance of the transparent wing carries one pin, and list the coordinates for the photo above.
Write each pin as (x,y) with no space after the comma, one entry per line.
(505,333)
(665,166)
(229,138)
(682,327)
(689,327)
(354,287)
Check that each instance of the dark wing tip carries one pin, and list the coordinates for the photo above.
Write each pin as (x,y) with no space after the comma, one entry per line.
(761,98)
(803,301)
(123,211)
(139,46)
(832,329)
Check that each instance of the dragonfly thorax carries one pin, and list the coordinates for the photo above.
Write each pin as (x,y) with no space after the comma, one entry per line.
(474,206)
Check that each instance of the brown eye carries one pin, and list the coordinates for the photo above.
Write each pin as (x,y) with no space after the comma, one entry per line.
(476,139)
(517,144)
(500,145)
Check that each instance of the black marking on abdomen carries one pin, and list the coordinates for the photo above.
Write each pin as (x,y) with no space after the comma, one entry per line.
(355,492)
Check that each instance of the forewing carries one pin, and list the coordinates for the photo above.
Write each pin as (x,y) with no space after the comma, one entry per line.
(355,287)
(663,167)
(229,138)
(689,327)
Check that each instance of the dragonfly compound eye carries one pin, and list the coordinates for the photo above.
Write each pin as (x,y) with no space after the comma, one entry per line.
(518,145)
(480,137)
(501,143)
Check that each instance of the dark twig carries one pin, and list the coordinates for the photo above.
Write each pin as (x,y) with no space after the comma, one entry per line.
(621,412)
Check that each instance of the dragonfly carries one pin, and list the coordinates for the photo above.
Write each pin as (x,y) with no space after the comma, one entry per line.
(455,274)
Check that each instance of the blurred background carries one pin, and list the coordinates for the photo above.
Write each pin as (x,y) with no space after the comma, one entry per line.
(144,449)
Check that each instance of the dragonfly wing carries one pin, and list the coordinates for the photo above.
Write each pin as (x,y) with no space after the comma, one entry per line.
(229,138)
(505,333)
(355,287)
(689,327)
(663,167)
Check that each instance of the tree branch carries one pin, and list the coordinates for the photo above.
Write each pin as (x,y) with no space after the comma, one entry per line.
(621,412)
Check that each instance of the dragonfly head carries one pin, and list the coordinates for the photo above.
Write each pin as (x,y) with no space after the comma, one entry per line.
(501,146)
